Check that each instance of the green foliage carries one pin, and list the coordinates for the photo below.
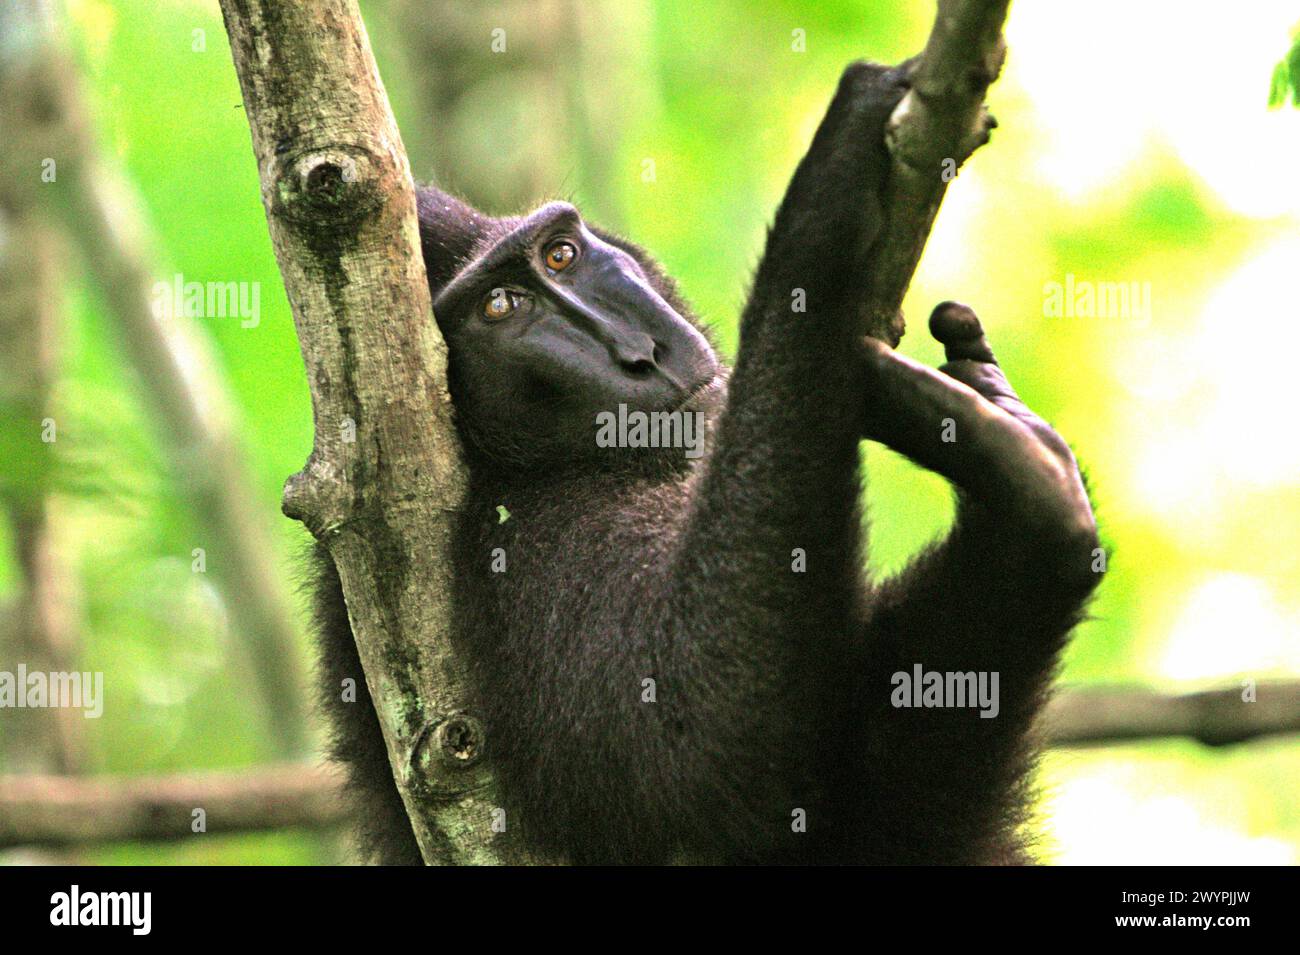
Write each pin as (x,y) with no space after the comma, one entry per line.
(1286,78)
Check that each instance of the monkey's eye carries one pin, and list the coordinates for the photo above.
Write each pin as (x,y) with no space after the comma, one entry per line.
(560,255)
(500,303)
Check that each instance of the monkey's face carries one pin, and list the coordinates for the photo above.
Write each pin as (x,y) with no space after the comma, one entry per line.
(550,327)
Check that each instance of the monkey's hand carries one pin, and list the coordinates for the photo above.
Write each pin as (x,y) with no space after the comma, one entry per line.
(832,211)
(802,318)
(999,595)
(966,422)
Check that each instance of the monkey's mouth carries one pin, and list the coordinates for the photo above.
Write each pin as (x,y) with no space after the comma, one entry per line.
(704,395)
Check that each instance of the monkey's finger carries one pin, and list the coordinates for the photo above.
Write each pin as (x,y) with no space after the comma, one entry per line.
(958,329)
(946,426)
(971,361)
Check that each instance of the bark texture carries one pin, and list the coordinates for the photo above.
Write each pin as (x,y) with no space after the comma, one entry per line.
(386,473)
(936,127)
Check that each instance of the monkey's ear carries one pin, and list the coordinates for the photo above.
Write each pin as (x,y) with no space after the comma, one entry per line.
(449,230)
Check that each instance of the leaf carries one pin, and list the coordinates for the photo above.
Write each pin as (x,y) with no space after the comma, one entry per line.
(1285,77)
(1279,86)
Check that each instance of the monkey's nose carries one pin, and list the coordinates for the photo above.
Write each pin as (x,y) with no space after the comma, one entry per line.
(636,353)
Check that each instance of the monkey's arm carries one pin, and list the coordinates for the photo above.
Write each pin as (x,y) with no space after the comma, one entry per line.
(767,563)
(783,476)
(1000,595)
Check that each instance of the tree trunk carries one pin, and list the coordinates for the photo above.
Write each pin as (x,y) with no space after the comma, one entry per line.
(386,473)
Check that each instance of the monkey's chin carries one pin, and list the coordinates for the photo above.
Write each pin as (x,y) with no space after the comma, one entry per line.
(707,396)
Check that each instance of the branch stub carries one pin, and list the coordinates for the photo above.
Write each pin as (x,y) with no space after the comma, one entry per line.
(448,746)
(331,187)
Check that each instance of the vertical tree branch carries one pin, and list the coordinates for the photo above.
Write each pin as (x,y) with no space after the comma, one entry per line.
(460,57)
(50,132)
(936,127)
(41,630)
(386,473)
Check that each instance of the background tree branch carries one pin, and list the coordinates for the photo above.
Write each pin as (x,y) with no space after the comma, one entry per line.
(40,626)
(71,811)
(41,810)
(1109,715)
(48,129)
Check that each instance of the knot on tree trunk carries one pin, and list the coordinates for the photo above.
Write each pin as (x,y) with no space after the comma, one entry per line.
(330,188)
(444,752)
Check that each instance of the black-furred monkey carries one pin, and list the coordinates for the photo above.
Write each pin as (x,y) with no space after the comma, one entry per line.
(732,580)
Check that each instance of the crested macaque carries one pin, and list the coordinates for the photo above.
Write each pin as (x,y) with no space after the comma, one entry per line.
(682,658)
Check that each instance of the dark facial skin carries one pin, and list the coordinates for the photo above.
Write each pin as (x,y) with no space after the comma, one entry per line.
(552,325)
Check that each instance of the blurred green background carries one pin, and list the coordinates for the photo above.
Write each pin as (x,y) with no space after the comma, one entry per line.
(1135,147)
